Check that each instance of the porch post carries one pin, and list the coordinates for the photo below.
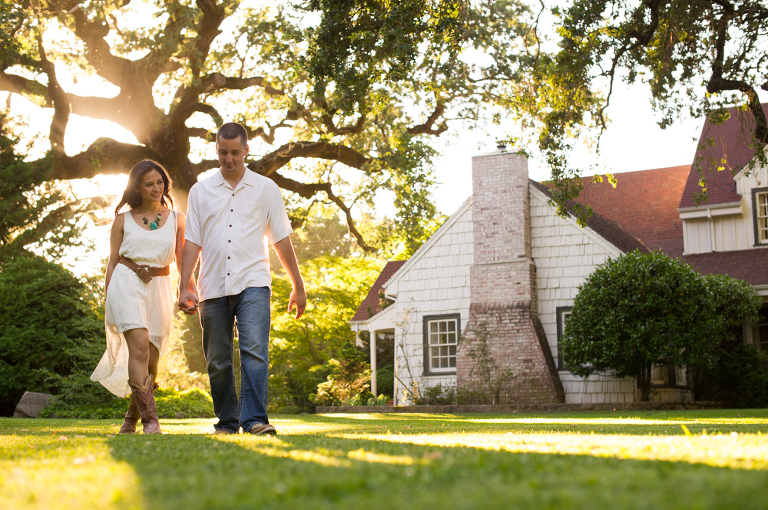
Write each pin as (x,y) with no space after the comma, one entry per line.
(373,362)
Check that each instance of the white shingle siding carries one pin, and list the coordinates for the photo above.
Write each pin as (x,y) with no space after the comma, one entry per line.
(436,283)
(565,255)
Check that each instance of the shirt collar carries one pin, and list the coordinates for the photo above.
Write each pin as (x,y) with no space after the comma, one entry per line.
(249,179)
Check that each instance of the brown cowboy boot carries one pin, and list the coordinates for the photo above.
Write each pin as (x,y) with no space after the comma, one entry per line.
(132,415)
(145,401)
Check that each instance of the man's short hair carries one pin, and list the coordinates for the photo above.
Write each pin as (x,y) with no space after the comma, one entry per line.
(232,130)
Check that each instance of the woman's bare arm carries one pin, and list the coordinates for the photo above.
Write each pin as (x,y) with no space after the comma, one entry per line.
(115,240)
(181,222)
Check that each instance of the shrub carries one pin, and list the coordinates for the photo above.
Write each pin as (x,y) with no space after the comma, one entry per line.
(348,382)
(49,327)
(642,310)
(740,377)
(436,395)
(171,403)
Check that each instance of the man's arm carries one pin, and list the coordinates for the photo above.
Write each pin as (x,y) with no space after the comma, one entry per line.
(187,289)
(284,249)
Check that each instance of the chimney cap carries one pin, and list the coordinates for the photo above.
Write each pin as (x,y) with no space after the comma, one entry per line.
(501,146)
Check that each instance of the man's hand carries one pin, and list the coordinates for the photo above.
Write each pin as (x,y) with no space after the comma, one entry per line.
(188,301)
(298,300)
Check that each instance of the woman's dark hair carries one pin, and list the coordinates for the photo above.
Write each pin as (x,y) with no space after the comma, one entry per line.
(132,197)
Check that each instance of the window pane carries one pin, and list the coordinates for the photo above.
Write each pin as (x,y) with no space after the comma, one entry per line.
(435,351)
(443,351)
(442,326)
(452,350)
(443,363)
(442,338)
(451,338)
(436,363)
(452,326)
(433,339)
(453,362)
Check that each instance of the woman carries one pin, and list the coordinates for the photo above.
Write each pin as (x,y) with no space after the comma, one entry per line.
(139,301)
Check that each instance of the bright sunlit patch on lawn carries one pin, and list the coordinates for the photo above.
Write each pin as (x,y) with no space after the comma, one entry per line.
(743,451)
(619,421)
(65,472)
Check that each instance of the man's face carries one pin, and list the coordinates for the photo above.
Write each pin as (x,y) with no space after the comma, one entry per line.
(232,155)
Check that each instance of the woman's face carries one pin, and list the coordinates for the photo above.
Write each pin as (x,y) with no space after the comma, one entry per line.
(151,187)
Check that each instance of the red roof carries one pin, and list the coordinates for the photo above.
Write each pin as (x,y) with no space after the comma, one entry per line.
(372,299)
(748,265)
(645,203)
(732,141)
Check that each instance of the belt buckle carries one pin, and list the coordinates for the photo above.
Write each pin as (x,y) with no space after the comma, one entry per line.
(143,273)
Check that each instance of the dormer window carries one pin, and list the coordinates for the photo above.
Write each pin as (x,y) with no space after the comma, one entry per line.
(760,215)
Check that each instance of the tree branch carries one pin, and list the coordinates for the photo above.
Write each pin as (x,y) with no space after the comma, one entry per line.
(104,156)
(428,127)
(310,190)
(275,160)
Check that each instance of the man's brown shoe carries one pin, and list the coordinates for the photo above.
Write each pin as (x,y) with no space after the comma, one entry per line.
(261,429)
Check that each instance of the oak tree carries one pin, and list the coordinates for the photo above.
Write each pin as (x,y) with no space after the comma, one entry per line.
(340,98)
(697,58)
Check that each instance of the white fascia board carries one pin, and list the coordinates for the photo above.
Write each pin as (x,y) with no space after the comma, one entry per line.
(761,290)
(358,325)
(746,169)
(426,246)
(385,319)
(727,209)
(594,236)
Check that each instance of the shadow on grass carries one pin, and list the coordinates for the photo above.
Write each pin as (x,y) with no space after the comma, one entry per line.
(315,471)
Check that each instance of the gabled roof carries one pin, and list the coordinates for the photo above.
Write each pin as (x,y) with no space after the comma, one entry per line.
(645,203)
(748,265)
(372,299)
(731,140)
(607,228)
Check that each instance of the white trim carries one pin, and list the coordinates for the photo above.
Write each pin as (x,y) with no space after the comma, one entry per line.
(727,209)
(761,290)
(426,246)
(743,170)
(363,325)
(588,231)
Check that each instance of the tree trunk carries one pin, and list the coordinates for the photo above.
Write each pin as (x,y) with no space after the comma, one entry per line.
(643,390)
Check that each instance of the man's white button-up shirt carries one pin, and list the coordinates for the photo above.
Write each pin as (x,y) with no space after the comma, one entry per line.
(233,228)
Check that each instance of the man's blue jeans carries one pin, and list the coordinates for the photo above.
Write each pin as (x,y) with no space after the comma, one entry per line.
(217,317)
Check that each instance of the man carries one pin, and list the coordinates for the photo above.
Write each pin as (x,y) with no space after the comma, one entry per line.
(230,217)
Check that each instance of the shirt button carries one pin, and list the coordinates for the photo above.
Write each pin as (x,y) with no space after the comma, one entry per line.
(229,241)
(233,194)
(230,225)
(227,274)
(227,258)
(231,210)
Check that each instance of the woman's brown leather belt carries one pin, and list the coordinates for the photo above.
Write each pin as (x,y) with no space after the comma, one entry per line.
(146,273)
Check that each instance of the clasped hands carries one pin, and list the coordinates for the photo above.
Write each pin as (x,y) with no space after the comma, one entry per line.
(188,302)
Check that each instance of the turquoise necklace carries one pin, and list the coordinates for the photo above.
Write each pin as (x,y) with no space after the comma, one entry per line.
(154,224)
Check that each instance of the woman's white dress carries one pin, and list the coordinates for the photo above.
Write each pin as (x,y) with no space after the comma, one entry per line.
(133,304)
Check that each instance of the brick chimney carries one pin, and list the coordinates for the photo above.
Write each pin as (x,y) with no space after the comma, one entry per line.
(503,285)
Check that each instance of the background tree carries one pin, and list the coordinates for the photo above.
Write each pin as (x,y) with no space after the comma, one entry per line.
(643,310)
(340,98)
(698,58)
(35,214)
(301,350)
(50,327)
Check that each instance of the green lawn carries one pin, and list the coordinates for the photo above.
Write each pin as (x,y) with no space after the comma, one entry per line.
(686,459)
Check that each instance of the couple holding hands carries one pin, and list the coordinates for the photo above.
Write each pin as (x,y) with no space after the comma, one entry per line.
(230,218)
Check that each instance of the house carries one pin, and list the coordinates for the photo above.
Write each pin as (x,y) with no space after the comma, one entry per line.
(506,264)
